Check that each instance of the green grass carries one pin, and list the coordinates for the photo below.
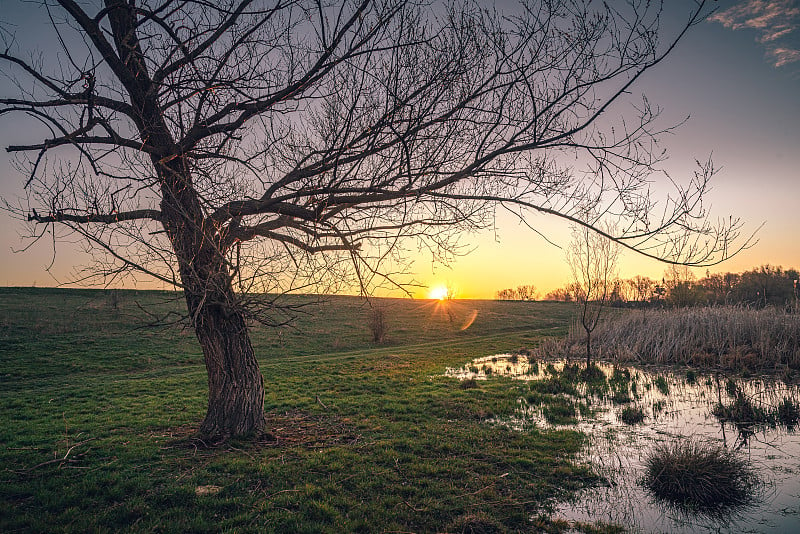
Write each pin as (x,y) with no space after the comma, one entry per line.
(98,414)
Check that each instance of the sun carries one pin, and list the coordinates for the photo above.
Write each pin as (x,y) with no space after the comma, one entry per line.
(438,292)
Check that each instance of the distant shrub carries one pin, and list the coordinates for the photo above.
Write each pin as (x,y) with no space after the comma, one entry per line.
(377,324)
(699,474)
(113,298)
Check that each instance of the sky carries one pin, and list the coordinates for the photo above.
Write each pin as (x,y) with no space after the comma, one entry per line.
(736,76)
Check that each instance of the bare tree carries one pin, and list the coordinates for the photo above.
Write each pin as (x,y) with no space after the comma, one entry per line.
(506,294)
(561,294)
(451,292)
(243,147)
(680,283)
(527,292)
(641,289)
(592,259)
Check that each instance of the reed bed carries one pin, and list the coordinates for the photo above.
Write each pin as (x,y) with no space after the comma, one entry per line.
(728,337)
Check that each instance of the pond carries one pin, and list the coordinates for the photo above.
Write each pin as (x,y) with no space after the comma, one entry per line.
(676,406)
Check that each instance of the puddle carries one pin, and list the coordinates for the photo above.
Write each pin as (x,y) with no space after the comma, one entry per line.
(675,406)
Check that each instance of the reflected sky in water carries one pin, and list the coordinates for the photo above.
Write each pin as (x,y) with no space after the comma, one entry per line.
(675,407)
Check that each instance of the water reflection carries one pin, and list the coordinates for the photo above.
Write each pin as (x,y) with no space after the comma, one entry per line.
(752,415)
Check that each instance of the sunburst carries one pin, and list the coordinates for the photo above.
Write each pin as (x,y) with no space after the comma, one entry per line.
(438,292)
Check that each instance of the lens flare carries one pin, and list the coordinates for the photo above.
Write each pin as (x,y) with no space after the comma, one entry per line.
(470,320)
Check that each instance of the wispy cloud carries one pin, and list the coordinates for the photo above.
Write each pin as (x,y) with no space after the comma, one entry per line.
(774,22)
(783,56)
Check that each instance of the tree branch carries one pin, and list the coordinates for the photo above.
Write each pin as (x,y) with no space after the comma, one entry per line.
(107,218)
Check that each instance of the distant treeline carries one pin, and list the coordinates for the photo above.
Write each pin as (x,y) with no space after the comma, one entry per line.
(520,293)
(762,286)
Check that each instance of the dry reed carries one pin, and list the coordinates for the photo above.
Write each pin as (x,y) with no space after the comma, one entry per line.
(727,337)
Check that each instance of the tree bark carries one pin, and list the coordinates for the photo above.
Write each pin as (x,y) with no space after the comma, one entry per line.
(235,384)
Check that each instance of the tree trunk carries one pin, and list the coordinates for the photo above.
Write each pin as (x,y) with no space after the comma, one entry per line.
(588,348)
(235,384)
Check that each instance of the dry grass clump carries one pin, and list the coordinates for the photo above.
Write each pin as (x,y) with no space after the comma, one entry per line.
(469,383)
(700,475)
(728,337)
(631,415)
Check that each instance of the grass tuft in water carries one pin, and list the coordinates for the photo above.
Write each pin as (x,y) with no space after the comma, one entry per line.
(742,411)
(631,415)
(661,385)
(593,374)
(555,385)
(560,411)
(731,387)
(621,396)
(699,475)
(788,413)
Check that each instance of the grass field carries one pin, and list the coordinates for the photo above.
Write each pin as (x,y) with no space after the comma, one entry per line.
(98,414)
